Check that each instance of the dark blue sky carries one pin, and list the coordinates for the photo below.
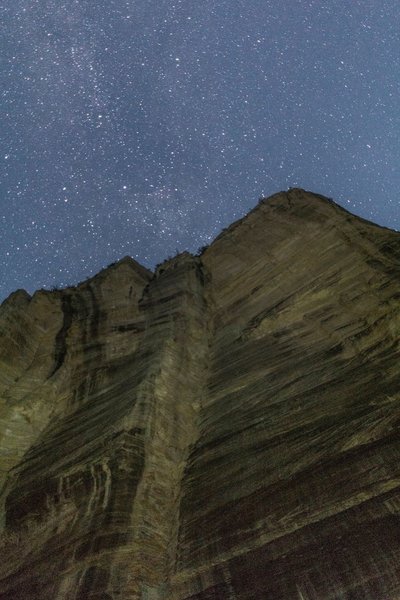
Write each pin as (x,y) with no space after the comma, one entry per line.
(143,127)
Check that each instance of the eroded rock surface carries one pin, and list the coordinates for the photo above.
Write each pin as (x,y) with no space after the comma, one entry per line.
(224,429)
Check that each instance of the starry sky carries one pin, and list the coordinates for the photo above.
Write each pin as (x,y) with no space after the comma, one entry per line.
(143,127)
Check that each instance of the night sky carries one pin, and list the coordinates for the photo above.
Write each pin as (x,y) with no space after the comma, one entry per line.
(143,127)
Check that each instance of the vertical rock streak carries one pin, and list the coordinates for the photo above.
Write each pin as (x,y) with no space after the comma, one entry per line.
(175,348)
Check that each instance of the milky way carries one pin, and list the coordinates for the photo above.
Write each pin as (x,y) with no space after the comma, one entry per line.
(144,127)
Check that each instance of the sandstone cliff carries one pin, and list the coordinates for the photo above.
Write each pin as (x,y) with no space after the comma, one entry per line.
(226,428)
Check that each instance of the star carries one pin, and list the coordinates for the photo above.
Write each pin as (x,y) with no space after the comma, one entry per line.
(143,128)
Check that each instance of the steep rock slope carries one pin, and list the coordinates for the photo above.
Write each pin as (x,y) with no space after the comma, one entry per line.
(226,428)
(298,436)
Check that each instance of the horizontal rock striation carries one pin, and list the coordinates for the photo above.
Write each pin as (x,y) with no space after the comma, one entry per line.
(226,428)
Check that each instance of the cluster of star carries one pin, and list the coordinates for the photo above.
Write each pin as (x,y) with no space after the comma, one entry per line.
(143,128)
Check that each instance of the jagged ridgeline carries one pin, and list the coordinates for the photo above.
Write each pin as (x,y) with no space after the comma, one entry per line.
(225,428)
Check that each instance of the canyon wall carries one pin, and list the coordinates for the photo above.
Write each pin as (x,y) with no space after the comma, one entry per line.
(226,428)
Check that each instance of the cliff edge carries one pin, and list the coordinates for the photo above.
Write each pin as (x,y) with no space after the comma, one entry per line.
(225,428)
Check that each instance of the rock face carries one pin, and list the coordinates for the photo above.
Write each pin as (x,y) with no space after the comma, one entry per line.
(227,428)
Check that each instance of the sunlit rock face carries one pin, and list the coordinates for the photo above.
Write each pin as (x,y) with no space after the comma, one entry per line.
(226,428)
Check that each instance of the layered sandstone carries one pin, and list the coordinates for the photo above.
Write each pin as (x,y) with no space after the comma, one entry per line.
(226,428)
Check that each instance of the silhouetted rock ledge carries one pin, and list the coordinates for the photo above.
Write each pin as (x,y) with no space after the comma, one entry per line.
(226,428)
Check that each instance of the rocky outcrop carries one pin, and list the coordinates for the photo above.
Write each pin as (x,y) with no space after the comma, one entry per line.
(224,428)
